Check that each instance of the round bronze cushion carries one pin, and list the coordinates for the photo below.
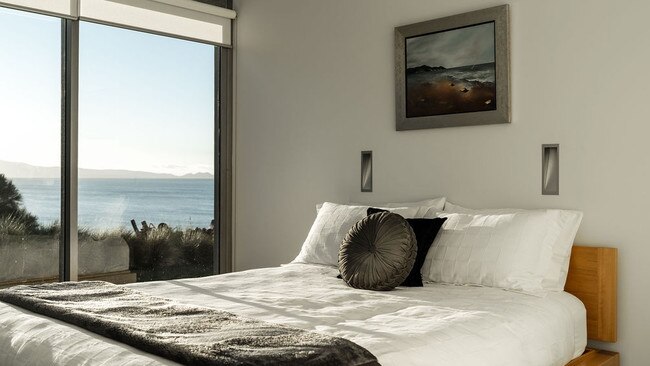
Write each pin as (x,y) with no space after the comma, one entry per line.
(378,252)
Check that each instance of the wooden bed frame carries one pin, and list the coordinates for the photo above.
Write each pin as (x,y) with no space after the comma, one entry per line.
(593,279)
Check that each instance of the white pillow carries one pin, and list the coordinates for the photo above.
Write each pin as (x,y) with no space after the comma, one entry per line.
(426,208)
(332,223)
(511,251)
(567,225)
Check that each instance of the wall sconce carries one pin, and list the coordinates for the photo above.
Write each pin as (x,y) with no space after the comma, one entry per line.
(366,171)
(551,169)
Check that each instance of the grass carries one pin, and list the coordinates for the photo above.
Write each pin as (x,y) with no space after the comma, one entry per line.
(156,249)
(10,225)
(16,226)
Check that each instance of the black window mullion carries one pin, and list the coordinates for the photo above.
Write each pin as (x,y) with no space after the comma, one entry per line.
(217,163)
(224,173)
(69,75)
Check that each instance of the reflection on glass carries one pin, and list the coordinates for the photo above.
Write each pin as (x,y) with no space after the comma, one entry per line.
(30,150)
(146,150)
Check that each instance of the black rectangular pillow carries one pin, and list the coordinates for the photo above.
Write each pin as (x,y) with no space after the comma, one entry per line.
(425,233)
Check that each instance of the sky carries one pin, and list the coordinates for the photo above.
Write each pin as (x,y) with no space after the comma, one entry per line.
(459,47)
(146,102)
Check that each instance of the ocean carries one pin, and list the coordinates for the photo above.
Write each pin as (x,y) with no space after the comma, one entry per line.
(112,203)
(482,73)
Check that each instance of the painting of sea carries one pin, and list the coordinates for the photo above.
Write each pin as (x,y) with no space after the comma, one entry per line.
(452,71)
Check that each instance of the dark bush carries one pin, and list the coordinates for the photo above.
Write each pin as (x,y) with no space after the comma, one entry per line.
(12,210)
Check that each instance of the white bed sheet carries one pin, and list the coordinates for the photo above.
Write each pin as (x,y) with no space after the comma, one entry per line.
(435,325)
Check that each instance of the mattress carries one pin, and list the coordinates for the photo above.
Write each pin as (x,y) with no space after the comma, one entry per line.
(434,325)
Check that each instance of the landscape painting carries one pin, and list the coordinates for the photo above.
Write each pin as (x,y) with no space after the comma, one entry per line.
(452,71)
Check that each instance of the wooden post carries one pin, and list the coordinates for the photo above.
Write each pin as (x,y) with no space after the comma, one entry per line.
(145,227)
(135,227)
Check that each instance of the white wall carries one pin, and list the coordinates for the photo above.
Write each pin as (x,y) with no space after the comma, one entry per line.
(315,87)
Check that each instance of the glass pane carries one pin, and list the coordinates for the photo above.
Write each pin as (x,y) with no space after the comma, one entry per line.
(146,155)
(30,147)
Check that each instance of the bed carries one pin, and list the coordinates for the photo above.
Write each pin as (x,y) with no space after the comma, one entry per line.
(493,294)
(435,325)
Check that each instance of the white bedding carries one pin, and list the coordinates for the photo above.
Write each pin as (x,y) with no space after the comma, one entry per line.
(435,325)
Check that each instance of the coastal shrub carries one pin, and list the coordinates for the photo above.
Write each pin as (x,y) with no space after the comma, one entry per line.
(11,207)
(52,229)
(88,234)
(197,246)
(155,249)
(164,247)
(10,225)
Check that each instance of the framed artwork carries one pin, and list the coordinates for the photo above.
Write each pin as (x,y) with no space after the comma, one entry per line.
(453,71)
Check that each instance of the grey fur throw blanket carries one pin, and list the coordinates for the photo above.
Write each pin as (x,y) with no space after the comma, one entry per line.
(186,334)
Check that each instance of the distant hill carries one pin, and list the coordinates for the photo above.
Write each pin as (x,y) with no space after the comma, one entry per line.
(422,69)
(22,170)
(198,176)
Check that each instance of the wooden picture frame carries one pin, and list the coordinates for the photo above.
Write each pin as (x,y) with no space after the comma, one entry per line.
(453,71)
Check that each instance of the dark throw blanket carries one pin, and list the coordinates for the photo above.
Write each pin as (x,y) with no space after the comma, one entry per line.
(186,334)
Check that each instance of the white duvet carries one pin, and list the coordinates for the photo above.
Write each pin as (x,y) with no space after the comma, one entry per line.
(435,325)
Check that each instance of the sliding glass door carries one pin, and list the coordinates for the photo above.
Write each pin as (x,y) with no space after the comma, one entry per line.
(109,149)
(146,154)
(30,147)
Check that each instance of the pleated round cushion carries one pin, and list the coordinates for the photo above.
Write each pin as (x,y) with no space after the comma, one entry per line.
(378,252)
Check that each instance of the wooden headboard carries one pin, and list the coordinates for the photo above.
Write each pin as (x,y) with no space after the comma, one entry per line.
(592,278)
